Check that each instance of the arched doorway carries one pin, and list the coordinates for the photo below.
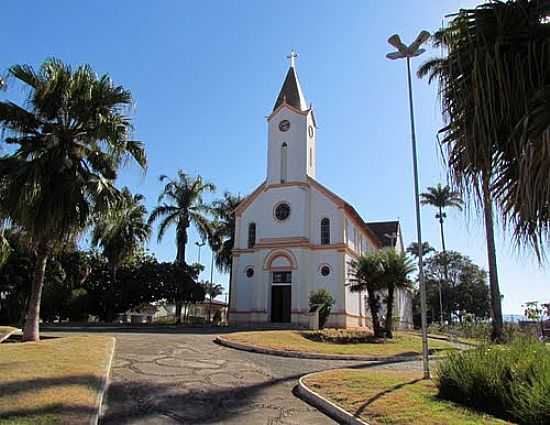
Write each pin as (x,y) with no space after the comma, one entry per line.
(280,264)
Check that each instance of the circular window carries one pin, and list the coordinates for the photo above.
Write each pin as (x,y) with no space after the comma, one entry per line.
(249,272)
(282,211)
(325,270)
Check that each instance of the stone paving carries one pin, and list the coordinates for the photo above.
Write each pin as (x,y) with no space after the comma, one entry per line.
(172,378)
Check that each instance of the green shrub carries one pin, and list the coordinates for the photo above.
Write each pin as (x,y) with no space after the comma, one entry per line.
(323,298)
(482,330)
(511,381)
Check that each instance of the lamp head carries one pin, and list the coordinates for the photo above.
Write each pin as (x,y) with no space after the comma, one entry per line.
(396,42)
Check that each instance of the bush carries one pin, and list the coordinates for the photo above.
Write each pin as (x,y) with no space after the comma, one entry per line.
(482,330)
(511,381)
(323,298)
(341,336)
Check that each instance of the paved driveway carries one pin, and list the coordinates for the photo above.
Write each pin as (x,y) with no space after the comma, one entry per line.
(185,378)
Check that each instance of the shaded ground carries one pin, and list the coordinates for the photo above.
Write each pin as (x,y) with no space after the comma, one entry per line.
(185,378)
(52,382)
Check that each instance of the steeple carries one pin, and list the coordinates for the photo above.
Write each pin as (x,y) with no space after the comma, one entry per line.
(291,92)
(291,134)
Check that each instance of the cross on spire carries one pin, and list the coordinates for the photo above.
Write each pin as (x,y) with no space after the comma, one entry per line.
(292,58)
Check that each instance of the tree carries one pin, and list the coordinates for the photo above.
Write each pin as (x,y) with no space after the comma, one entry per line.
(122,230)
(366,275)
(493,66)
(323,298)
(69,145)
(212,290)
(180,205)
(537,313)
(465,288)
(441,197)
(426,249)
(396,269)
(223,211)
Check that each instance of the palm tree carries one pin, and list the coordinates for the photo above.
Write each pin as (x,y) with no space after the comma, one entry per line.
(396,269)
(426,249)
(494,85)
(366,275)
(180,205)
(212,290)
(69,144)
(441,197)
(122,230)
(223,235)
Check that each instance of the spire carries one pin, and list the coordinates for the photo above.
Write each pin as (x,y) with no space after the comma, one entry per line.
(291,92)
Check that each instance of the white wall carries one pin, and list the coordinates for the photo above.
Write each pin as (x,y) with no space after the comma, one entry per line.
(298,144)
(322,207)
(261,212)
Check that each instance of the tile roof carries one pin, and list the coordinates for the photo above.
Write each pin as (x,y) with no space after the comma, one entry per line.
(387,232)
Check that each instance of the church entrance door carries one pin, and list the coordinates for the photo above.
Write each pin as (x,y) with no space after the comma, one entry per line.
(281,297)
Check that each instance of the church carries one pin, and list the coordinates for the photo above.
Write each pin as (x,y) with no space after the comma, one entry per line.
(294,236)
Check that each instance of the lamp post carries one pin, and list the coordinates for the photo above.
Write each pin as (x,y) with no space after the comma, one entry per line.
(408,52)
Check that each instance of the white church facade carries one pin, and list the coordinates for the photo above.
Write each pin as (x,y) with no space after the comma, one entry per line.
(295,236)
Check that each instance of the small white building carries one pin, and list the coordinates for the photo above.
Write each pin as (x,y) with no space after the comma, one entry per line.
(294,236)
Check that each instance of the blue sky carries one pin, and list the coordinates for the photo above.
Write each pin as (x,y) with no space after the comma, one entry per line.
(205,74)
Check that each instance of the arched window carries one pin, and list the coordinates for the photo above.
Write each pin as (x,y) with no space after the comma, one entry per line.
(325,231)
(283,162)
(251,235)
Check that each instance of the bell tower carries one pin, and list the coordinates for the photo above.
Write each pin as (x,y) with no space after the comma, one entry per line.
(291,133)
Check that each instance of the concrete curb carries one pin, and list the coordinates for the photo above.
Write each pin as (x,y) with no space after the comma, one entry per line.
(314,356)
(104,385)
(325,405)
(15,331)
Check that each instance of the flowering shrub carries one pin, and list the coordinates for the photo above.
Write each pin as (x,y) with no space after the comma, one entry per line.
(341,336)
(510,381)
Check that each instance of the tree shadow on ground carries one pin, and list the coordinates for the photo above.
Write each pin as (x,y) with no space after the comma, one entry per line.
(71,412)
(128,401)
(381,394)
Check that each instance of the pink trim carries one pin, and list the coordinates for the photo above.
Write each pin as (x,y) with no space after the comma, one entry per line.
(273,255)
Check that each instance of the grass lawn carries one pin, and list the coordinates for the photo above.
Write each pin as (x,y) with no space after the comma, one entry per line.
(55,381)
(402,344)
(5,330)
(392,397)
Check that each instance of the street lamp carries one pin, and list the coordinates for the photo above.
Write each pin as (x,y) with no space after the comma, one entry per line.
(408,52)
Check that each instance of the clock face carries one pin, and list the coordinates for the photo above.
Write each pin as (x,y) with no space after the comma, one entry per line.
(284,125)
(310,131)
(282,211)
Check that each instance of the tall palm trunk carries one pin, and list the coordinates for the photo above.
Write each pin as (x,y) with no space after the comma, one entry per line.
(389,312)
(496,307)
(32,317)
(180,259)
(445,266)
(374,307)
